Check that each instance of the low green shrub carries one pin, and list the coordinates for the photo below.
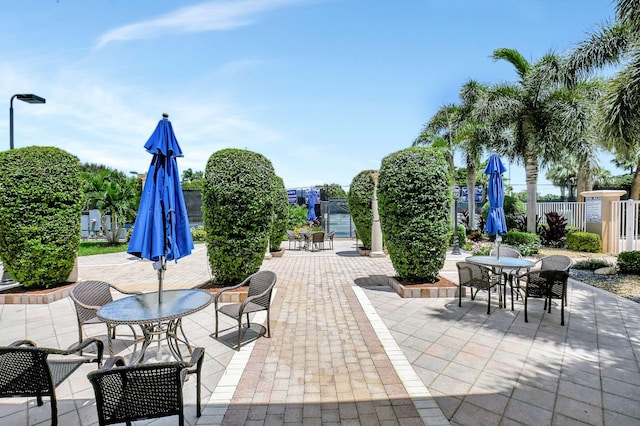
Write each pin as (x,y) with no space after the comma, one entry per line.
(591,264)
(527,243)
(584,241)
(198,233)
(462,235)
(629,262)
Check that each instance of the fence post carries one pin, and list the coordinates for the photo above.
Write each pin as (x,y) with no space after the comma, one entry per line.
(630,222)
(599,218)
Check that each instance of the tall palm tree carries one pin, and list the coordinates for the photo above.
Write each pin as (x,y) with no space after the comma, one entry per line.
(537,119)
(452,128)
(618,45)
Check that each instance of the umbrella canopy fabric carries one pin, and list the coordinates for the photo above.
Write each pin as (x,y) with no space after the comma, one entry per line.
(161,231)
(496,222)
(312,200)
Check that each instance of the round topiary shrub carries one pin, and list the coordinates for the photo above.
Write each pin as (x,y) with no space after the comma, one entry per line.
(414,199)
(238,207)
(40,209)
(629,262)
(359,199)
(281,215)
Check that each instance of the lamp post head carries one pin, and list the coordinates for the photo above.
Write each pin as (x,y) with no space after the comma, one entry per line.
(30,98)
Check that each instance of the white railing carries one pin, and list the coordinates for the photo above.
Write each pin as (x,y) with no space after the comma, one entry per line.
(573,211)
(624,232)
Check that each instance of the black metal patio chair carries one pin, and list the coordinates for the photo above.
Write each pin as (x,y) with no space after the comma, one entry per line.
(28,371)
(144,391)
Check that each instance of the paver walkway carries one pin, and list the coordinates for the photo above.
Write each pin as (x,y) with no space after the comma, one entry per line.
(346,349)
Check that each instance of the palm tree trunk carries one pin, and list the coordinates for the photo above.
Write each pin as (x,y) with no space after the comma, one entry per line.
(531,173)
(635,184)
(471,192)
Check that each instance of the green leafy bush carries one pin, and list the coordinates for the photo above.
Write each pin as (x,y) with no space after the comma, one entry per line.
(629,262)
(591,264)
(40,208)
(297,216)
(414,198)
(526,243)
(281,215)
(584,241)
(461,231)
(238,207)
(359,199)
(198,233)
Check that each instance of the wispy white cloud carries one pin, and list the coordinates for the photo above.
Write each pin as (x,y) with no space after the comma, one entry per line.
(210,16)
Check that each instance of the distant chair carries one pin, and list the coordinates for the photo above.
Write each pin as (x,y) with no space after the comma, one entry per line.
(477,277)
(144,391)
(317,240)
(88,297)
(297,242)
(258,299)
(26,370)
(329,238)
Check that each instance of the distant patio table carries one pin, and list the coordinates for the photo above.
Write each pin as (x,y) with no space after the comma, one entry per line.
(498,264)
(158,321)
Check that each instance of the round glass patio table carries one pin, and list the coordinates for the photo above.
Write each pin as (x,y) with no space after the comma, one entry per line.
(158,321)
(500,263)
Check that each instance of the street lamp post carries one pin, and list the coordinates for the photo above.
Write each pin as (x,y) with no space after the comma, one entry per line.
(456,242)
(29,98)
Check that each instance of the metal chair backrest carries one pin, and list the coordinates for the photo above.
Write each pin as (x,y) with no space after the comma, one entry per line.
(92,293)
(260,282)
(556,262)
(474,275)
(506,252)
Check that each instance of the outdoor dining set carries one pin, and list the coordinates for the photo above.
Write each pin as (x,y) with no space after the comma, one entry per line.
(311,240)
(545,278)
(143,387)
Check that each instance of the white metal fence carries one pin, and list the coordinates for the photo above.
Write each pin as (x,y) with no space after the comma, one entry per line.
(624,232)
(573,211)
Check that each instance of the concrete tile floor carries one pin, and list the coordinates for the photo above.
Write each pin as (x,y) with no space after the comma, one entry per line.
(346,349)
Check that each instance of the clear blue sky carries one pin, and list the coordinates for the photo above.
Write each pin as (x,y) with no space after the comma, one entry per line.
(323,88)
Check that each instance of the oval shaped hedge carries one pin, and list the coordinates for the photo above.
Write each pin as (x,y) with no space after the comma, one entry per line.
(414,199)
(40,211)
(238,207)
(359,199)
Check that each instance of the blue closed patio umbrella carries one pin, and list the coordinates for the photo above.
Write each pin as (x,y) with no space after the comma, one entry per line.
(161,231)
(496,222)
(312,200)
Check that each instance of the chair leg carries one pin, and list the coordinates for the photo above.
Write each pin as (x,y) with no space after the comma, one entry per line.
(54,410)
(239,330)
(268,325)
(459,295)
(216,323)
(526,318)
(489,300)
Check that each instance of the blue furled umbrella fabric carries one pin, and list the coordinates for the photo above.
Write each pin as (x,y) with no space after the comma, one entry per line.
(161,231)
(312,200)
(496,222)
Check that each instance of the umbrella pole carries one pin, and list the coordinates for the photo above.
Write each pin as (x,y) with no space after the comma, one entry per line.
(498,241)
(163,266)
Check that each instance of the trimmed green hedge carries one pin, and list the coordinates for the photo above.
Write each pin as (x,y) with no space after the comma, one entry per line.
(281,215)
(238,206)
(40,209)
(359,199)
(629,262)
(584,241)
(414,199)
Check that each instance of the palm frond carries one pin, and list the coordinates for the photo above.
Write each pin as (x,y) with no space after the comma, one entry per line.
(521,65)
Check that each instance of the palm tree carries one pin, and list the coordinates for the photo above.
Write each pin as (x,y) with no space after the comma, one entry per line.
(617,44)
(538,119)
(114,195)
(453,127)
